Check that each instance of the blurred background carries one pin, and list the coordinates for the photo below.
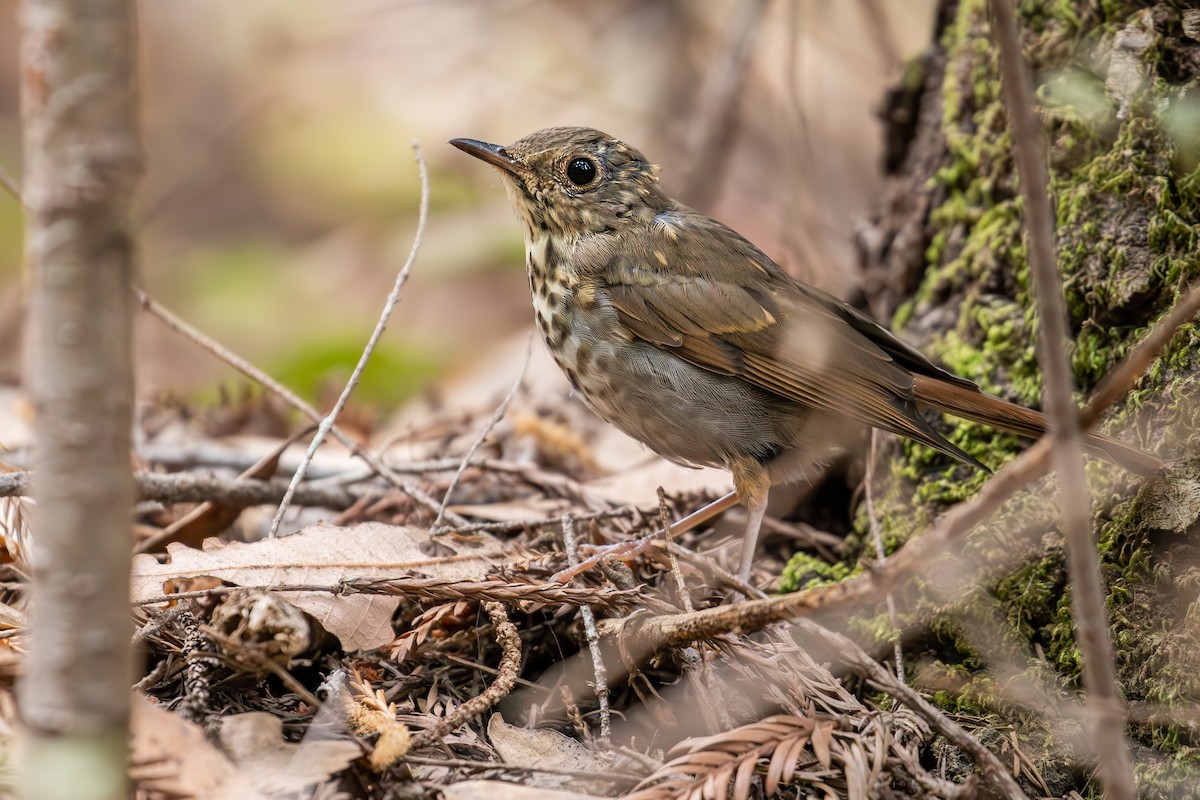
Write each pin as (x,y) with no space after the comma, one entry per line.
(281,194)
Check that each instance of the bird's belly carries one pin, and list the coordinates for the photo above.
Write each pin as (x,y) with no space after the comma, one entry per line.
(684,413)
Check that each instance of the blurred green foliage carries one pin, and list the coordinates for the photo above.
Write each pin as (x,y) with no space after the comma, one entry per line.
(11,235)
(318,368)
(242,292)
(346,165)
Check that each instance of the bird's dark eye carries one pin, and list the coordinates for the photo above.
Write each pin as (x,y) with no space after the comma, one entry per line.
(581,171)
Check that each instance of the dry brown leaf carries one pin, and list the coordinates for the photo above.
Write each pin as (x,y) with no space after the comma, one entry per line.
(502,790)
(172,756)
(269,766)
(541,748)
(323,555)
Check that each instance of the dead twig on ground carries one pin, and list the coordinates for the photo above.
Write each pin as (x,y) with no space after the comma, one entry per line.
(172,321)
(183,529)
(613,600)
(506,676)
(571,546)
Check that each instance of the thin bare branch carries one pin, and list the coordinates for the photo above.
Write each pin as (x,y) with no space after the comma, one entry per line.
(1083,563)
(393,297)
(172,321)
(613,600)
(664,519)
(571,546)
(1117,382)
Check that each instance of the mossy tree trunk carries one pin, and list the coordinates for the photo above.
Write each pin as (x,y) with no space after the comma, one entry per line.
(946,262)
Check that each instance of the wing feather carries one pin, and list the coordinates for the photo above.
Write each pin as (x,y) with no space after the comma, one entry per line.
(760,324)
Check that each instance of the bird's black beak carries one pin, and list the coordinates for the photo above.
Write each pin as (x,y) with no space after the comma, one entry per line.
(493,154)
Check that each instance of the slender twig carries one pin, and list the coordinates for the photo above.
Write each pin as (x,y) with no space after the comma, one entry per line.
(637,546)
(189,487)
(664,519)
(175,323)
(716,715)
(492,421)
(1083,563)
(1117,382)
(571,546)
(266,465)
(490,766)
(390,303)
(193,487)
(452,590)
(880,553)
(506,677)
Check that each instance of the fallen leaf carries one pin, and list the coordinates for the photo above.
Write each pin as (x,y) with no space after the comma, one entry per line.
(501,790)
(544,749)
(172,756)
(323,555)
(270,766)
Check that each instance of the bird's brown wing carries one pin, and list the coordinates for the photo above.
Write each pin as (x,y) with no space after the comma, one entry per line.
(720,303)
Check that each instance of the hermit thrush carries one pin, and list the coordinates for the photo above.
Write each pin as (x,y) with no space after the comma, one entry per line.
(687,337)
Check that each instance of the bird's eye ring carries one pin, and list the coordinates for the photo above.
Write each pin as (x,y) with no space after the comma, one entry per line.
(581,171)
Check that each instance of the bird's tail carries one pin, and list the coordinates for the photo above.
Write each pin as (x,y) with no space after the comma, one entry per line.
(976,406)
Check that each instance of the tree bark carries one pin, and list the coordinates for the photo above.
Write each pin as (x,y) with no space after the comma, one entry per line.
(946,260)
(82,161)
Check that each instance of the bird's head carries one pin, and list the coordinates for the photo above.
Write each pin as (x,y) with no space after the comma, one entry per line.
(573,181)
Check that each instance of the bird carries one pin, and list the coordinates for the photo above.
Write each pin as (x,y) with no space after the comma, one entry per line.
(686,336)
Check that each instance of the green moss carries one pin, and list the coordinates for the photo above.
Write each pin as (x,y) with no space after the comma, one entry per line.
(804,571)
